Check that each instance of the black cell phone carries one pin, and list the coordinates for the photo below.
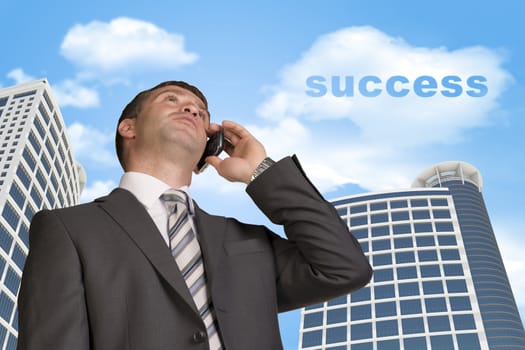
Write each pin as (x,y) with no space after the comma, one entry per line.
(214,147)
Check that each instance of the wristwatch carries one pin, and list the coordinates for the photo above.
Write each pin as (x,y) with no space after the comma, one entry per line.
(265,164)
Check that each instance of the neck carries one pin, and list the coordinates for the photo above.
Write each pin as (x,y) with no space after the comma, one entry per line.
(175,175)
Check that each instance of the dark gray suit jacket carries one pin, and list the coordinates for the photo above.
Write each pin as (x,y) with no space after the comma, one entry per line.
(99,276)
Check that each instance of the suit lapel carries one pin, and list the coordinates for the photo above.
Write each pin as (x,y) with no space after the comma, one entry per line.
(128,213)
(211,231)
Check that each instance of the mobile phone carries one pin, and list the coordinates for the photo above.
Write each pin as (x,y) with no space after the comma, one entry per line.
(214,146)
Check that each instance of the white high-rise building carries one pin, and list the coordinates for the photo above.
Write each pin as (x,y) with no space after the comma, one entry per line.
(37,171)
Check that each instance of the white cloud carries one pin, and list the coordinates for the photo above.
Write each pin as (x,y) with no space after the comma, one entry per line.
(91,145)
(97,189)
(72,93)
(19,76)
(373,140)
(123,43)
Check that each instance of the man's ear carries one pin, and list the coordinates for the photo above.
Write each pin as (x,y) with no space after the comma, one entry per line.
(126,128)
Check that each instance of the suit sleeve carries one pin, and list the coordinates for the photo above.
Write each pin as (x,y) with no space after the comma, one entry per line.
(320,259)
(52,309)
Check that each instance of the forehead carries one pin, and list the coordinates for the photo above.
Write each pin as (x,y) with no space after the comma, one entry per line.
(176,90)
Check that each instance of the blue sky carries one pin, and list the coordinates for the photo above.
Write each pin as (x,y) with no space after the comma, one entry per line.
(252,60)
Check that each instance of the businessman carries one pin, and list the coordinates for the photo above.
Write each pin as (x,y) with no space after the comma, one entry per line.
(144,268)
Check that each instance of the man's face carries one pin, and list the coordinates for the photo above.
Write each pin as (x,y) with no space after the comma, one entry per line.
(172,116)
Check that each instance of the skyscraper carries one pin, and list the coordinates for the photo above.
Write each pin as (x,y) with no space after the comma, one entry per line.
(37,171)
(439,280)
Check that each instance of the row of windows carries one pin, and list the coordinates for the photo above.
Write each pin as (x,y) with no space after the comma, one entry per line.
(400,243)
(389,328)
(387,309)
(397,204)
(464,341)
(425,272)
(397,216)
(406,257)
(11,340)
(399,229)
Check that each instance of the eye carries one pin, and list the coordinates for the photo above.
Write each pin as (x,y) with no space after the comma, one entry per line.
(171,98)
(202,114)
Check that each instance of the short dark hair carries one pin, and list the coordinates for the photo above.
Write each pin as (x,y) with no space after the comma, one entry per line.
(133,108)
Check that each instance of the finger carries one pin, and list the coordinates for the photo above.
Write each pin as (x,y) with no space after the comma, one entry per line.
(212,129)
(214,161)
(235,129)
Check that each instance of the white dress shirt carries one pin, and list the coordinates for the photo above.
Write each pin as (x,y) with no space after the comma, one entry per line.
(148,190)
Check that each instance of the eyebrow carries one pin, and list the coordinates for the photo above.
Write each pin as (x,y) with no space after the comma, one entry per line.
(179,93)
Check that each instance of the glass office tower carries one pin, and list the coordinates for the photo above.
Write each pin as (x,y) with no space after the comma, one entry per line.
(439,280)
(37,171)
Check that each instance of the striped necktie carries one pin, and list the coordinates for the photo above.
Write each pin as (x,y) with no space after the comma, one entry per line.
(187,253)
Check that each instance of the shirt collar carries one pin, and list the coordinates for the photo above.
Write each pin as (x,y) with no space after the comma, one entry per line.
(148,188)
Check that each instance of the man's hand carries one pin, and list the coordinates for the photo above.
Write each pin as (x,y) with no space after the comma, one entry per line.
(245,153)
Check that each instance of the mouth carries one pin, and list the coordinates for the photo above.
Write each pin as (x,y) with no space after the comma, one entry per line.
(188,118)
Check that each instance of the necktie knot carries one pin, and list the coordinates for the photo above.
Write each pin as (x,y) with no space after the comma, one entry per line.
(171,198)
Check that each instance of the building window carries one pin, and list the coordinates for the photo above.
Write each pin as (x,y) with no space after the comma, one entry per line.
(360,233)
(430,271)
(380,231)
(456,286)
(383,275)
(386,328)
(438,324)
(410,307)
(386,309)
(10,215)
(314,319)
(418,202)
(432,287)
(335,335)
(460,304)
(398,204)
(405,257)
(441,342)
(18,257)
(449,254)
(464,322)
(404,273)
(358,209)
(360,312)
(438,202)
(12,280)
(418,343)
(408,289)
(425,241)
(441,214)
(6,306)
(401,229)
(405,242)
(453,270)
(378,206)
(413,325)
(392,344)
(17,195)
(435,305)
(444,227)
(448,240)
(312,338)
(423,227)
(400,215)
(469,341)
(383,244)
(382,259)
(336,316)
(427,255)
(362,294)
(421,214)
(361,331)
(378,218)
(359,220)
(337,301)
(5,240)
(384,292)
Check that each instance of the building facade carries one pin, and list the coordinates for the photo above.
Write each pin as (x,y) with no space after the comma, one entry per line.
(37,171)
(439,280)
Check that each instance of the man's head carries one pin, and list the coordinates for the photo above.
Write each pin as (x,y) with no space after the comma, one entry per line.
(134,108)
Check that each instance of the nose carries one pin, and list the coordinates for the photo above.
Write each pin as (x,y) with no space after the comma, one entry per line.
(191,108)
